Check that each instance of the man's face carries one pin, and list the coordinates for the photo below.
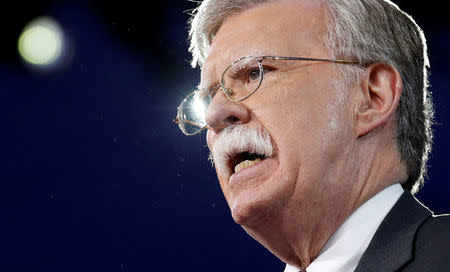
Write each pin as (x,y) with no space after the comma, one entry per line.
(299,104)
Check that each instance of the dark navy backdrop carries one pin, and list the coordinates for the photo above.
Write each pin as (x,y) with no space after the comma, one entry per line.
(94,175)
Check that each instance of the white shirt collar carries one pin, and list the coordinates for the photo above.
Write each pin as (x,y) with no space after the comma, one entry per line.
(346,246)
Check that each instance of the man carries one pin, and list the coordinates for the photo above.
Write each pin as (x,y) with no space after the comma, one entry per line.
(318,120)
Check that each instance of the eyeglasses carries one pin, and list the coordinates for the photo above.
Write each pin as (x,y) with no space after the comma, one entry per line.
(239,81)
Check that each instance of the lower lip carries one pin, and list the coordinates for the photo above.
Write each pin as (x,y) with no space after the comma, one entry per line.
(254,173)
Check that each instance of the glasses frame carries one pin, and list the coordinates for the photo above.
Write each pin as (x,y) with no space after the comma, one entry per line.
(259,59)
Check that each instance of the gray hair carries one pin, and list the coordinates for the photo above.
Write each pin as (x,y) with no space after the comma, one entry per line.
(369,31)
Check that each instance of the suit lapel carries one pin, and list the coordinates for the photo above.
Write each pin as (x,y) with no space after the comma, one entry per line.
(392,245)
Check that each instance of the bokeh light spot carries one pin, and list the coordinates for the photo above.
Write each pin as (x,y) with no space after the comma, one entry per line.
(41,41)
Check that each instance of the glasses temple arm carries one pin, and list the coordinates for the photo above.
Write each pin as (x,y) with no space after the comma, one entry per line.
(189,122)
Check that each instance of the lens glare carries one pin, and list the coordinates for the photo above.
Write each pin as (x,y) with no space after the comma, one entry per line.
(240,80)
(192,112)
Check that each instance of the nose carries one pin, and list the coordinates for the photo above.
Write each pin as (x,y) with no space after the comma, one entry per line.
(222,113)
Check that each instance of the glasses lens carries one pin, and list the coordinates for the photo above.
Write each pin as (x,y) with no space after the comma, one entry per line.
(242,78)
(192,112)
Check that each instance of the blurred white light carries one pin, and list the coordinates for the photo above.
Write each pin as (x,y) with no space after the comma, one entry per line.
(41,42)
(199,105)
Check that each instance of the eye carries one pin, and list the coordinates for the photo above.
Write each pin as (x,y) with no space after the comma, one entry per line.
(255,73)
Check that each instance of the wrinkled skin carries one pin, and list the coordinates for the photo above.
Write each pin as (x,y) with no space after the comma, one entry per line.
(293,201)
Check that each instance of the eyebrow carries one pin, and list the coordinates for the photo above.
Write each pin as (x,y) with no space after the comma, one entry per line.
(210,84)
(207,83)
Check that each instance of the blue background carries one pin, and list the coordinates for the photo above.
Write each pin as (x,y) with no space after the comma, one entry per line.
(94,176)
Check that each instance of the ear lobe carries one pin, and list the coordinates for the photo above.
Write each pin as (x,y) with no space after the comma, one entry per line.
(381,88)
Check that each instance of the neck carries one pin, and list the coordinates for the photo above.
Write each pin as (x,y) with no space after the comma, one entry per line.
(298,233)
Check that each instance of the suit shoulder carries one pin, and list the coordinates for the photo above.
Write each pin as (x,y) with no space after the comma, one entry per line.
(435,229)
(434,235)
(436,222)
(432,244)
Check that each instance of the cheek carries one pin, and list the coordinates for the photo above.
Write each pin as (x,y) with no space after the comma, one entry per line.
(336,112)
(310,113)
(309,124)
(279,110)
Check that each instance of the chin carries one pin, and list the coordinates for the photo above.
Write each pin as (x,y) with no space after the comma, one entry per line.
(254,206)
(249,214)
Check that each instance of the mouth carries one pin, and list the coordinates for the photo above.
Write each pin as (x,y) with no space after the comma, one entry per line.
(240,147)
(243,160)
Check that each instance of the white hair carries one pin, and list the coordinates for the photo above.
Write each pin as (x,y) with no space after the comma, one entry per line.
(369,31)
(237,139)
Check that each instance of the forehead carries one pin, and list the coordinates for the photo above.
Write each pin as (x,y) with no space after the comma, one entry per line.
(281,28)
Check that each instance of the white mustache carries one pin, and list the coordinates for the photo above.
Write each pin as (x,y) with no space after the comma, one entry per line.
(237,139)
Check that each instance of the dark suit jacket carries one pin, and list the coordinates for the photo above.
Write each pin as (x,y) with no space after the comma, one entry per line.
(410,238)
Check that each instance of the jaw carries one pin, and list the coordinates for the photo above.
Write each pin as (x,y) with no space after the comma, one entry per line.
(258,192)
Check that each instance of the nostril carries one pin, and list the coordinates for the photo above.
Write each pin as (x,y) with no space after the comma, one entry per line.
(231,120)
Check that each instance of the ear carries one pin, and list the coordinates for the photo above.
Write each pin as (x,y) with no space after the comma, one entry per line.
(381,90)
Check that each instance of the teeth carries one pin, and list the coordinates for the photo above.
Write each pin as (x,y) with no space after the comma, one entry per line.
(245,164)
